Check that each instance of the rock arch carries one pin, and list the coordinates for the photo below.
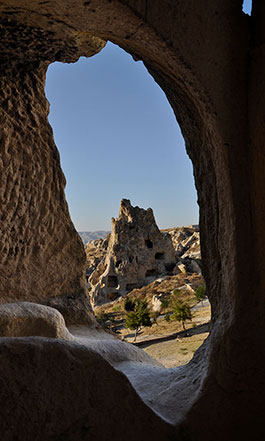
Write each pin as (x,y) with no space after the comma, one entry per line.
(201,59)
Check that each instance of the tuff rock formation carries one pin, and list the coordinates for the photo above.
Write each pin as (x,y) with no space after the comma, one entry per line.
(186,241)
(137,254)
(24,319)
(53,390)
(96,251)
(210,62)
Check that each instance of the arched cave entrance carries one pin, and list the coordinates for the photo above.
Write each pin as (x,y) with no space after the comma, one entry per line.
(117,137)
(200,58)
(115,142)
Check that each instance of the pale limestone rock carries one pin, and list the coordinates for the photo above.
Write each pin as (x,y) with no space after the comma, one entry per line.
(137,254)
(96,251)
(210,63)
(186,241)
(24,319)
(181,267)
(192,246)
(188,288)
(156,303)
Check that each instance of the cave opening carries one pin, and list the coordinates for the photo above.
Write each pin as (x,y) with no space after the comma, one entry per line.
(118,263)
(110,120)
(159,256)
(116,159)
(149,243)
(247,7)
(131,286)
(112,281)
(194,76)
(151,272)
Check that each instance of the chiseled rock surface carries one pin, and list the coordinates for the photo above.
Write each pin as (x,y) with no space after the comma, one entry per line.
(186,241)
(110,347)
(41,254)
(137,254)
(24,319)
(54,390)
(76,309)
(210,62)
(96,251)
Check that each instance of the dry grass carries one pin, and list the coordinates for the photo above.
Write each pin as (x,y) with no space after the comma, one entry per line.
(179,351)
(176,352)
(164,287)
(170,352)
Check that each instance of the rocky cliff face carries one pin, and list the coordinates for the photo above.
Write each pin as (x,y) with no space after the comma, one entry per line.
(96,251)
(186,241)
(210,62)
(102,258)
(42,257)
(137,254)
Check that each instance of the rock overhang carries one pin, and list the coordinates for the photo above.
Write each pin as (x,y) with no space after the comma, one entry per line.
(31,34)
(200,57)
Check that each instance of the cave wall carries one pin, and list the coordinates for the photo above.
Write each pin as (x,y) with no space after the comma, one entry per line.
(210,62)
(42,256)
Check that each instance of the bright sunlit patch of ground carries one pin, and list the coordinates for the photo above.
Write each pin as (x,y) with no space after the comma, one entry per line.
(176,352)
(171,350)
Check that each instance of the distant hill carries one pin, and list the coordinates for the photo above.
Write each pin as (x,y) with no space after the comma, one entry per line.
(87,236)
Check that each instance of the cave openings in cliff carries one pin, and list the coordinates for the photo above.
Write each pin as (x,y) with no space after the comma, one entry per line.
(118,138)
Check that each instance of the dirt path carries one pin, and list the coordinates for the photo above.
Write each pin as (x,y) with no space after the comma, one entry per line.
(167,342)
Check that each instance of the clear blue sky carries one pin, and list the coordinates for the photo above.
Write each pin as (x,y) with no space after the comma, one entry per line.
(118,138)
(247,4)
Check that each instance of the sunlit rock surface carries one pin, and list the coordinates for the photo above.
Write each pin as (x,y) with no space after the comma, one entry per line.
(210,62)
(25,319)
(137,254)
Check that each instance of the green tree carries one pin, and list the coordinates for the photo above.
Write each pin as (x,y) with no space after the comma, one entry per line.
(129,304)
(140,316)
(200,293)
(181,310)
(164,303)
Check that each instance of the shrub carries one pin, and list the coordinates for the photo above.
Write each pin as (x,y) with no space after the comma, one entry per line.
(176,292)
(181,309)
(181,312)
(200,293)
(129,304)
(164,303)
(116,308)
(105,319)
(140,316)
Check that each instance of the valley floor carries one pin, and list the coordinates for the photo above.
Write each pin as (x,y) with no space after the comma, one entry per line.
(158,380)
(168,344)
